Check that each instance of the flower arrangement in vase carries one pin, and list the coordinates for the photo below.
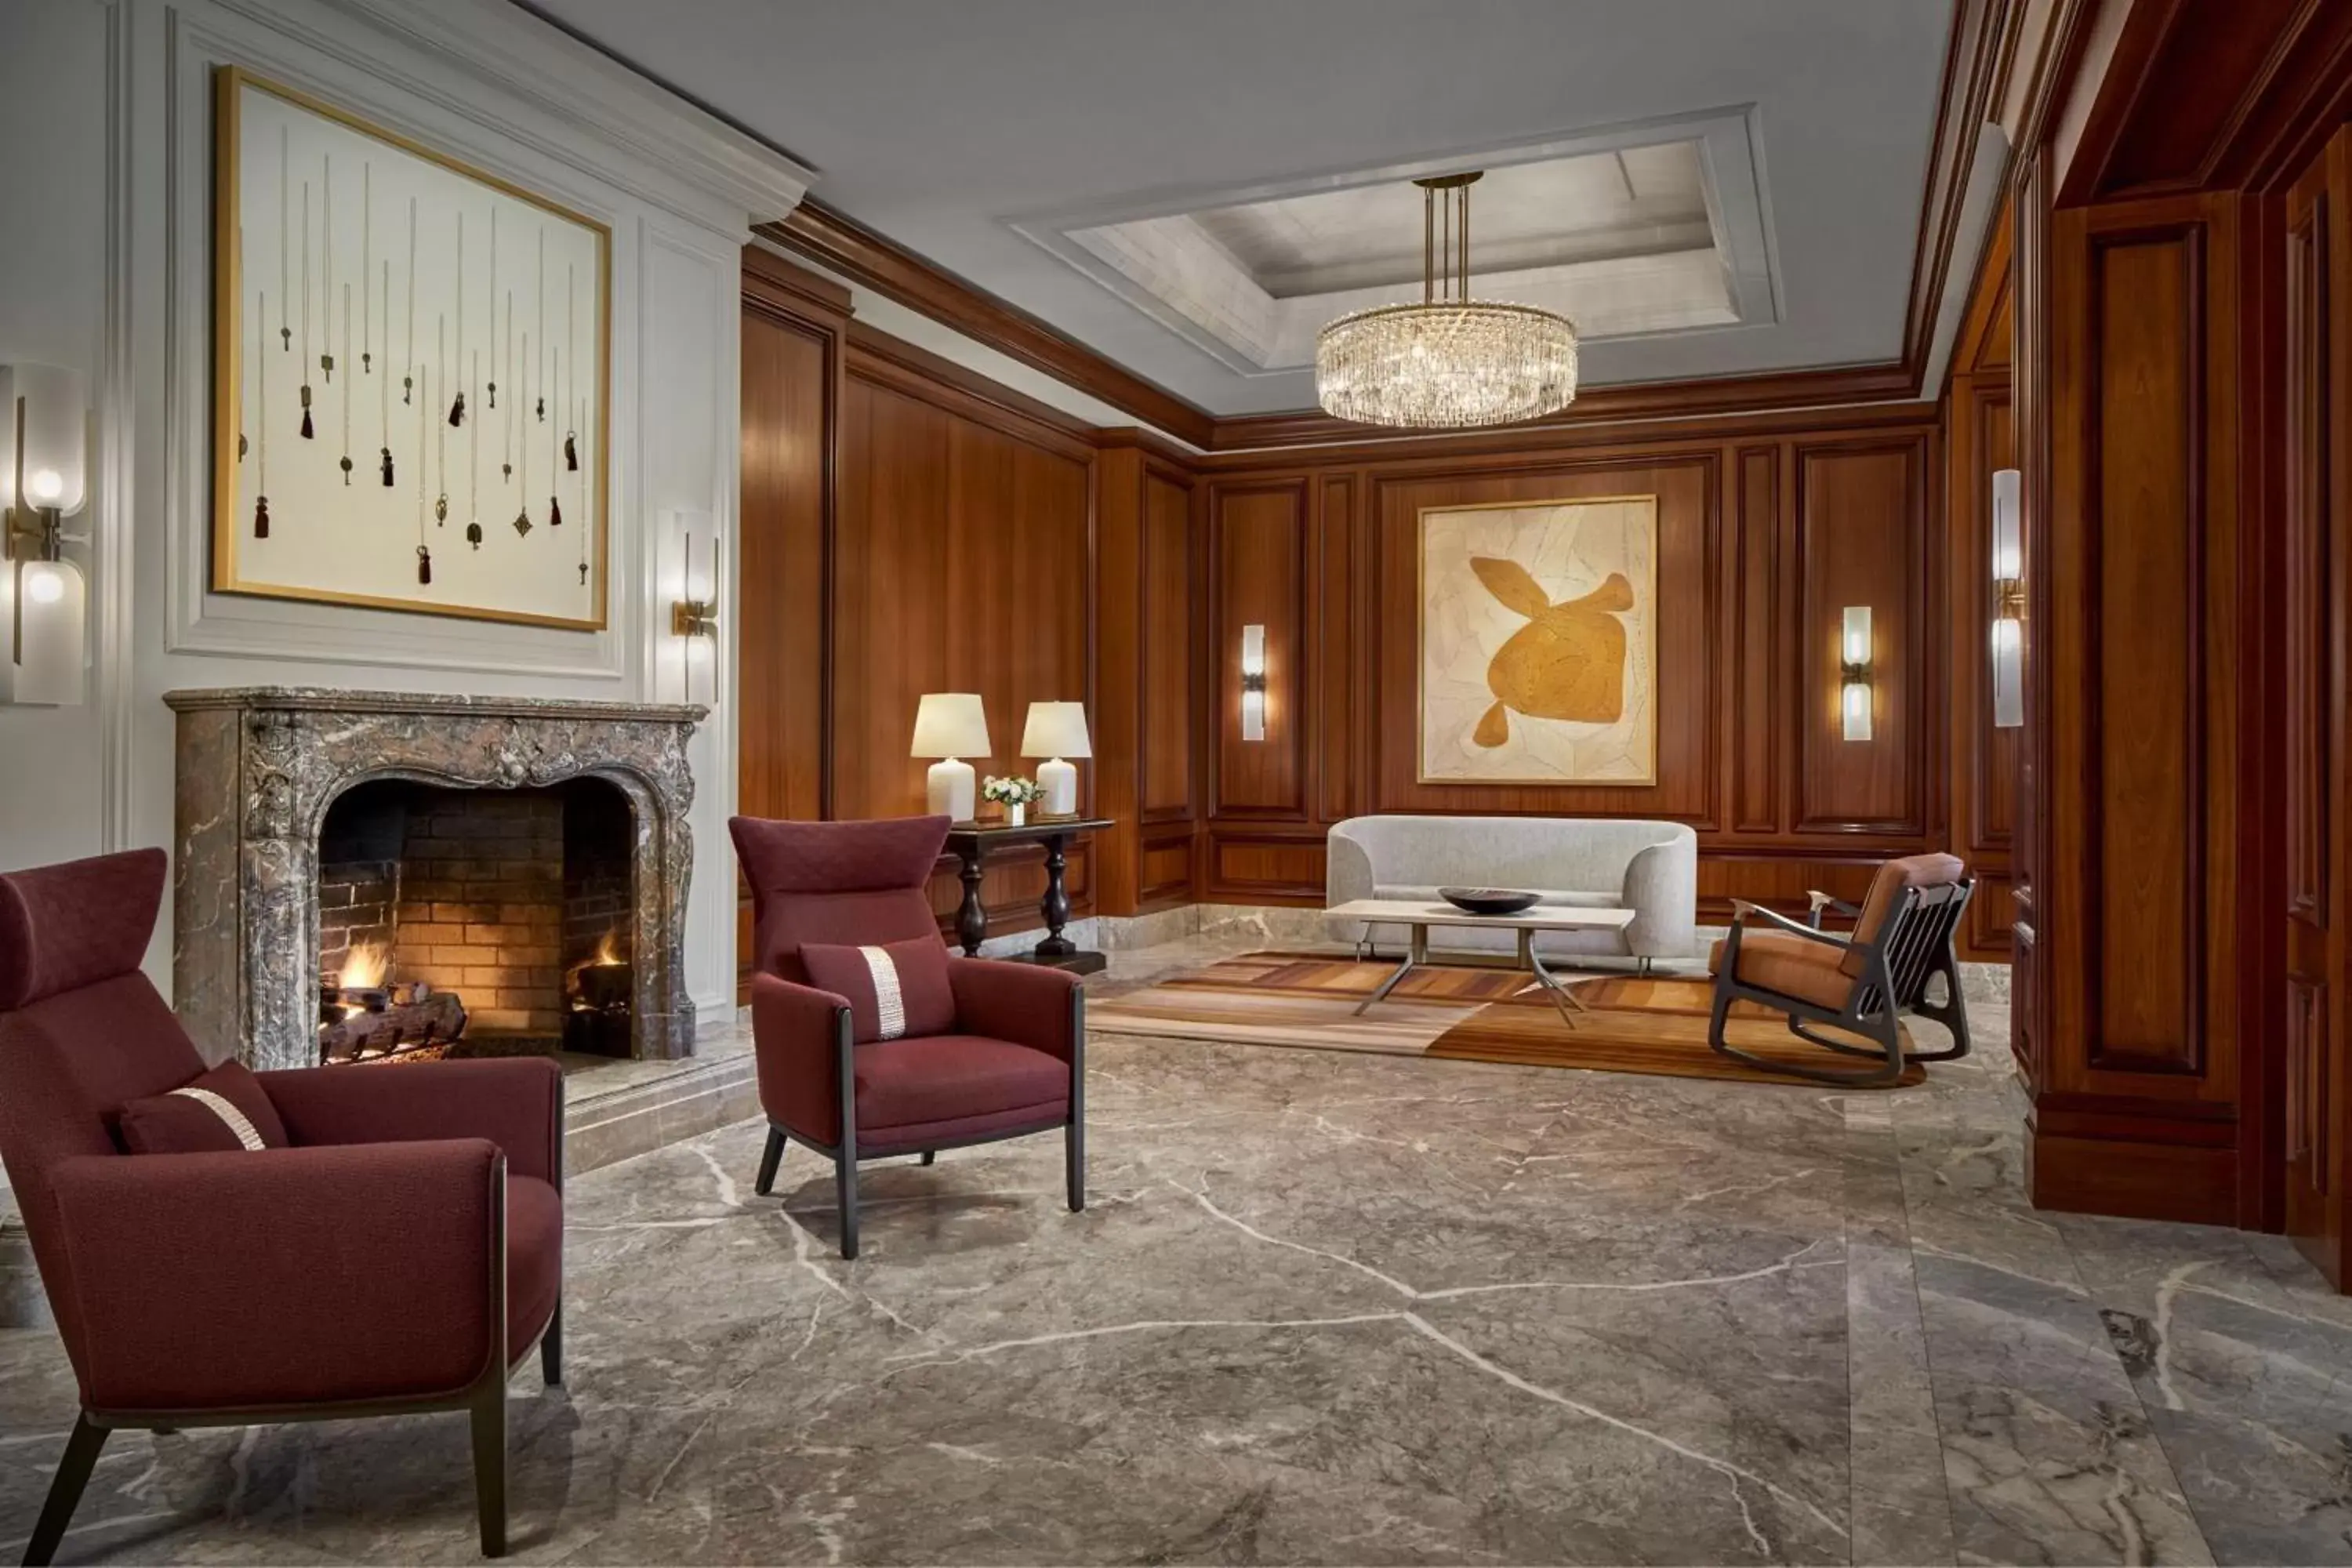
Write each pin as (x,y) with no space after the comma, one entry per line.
(1013,794)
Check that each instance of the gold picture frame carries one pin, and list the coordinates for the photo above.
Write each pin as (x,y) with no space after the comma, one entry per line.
(346,553)
(1536,644)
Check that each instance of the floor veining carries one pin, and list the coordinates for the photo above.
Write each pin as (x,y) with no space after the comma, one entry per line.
(1326,1308)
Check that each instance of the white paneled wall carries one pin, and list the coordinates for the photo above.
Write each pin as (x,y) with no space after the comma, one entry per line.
(105,110)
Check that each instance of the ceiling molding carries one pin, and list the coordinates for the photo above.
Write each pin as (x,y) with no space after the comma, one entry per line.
(1981,54)
(835,242)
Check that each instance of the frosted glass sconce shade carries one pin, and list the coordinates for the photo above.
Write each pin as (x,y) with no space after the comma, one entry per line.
(1253,683)
(1855,660)
(44,601)
(2008,600)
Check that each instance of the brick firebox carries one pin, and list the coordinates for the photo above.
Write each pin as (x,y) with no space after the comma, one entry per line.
(494,895)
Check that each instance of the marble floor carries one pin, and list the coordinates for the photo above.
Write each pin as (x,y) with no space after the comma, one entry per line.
(1327,1307)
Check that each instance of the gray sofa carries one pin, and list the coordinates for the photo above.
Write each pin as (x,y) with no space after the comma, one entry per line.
(1650,868)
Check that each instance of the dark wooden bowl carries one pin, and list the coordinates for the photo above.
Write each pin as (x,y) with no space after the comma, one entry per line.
(1488,900)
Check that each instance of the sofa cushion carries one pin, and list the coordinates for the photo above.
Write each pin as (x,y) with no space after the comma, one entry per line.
(1791,966)
(219,1111)
(948,1078)
(895,989)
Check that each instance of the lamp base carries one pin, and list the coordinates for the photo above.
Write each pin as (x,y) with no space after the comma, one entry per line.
(952,790)
(1060,780)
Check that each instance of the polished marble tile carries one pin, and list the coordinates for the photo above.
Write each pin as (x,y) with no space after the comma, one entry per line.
(1329,1308)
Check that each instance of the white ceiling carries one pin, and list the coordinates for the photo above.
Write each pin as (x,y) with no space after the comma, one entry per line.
(1282,134)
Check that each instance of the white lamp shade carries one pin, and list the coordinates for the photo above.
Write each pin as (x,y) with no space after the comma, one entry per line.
(2008,524)
(56,437)
(1056,730)
(49,672)
(950,724)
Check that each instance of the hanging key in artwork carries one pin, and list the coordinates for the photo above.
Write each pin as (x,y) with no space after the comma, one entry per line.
(441,432)
(346,464)
(571,344)
(367,269)
(522,514)
(261,418)
(424,551)
(327,271)
(285,214)
(306,311)
(506,436)
(458,409)
(408,362)
(385,387)
(474,468)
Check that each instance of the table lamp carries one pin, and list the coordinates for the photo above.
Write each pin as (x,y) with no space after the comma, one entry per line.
(952,726)
(1056,731)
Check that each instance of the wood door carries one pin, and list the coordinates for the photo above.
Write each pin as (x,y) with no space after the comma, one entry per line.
(2314,604)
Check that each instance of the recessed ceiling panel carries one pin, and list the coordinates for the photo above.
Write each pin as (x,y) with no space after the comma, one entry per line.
(1631,231)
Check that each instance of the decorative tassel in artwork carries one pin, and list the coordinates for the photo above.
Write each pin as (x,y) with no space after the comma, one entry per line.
(387,467)
(307,433)
(424,567)
(457,410)
(571,454)
(261,517)
(474,534)
(522,524)
(554,512)
(542,411)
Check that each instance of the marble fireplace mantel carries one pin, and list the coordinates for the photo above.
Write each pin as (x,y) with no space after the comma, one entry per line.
(257,769)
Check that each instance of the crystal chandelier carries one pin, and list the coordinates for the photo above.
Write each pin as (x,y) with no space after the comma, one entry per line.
(1450,362)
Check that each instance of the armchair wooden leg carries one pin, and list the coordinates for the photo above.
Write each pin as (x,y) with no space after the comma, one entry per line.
(1718,1019)
(845,1187)
(490,1466)
(551,1348)
(770,1158)
(65,1490)
(930,1155)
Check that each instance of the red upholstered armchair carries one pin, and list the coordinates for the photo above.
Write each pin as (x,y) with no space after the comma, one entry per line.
(222,1289)
(1011,1062)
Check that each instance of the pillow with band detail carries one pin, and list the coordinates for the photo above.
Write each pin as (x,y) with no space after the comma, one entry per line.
(893,989)
(223,1110)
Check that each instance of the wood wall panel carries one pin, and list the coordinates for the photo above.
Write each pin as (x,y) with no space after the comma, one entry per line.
(1850,552)
(2148,668)
(1258,538)
(1168,660)
(1758,736)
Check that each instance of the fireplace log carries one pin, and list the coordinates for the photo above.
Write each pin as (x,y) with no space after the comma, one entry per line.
(438,1019)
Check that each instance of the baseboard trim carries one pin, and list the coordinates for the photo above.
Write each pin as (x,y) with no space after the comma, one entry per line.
(2131,1179)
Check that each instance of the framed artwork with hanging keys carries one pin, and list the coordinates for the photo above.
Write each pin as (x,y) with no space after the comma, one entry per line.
(412,373)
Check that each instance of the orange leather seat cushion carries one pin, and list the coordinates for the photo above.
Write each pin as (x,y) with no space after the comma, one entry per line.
(1791,965)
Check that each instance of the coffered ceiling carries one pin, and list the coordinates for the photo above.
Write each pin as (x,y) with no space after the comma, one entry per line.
(1709,187)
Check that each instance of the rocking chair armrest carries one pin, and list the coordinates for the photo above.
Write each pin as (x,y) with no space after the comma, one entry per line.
(1741,910)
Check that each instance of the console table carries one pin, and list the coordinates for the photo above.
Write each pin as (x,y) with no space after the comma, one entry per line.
(972,843)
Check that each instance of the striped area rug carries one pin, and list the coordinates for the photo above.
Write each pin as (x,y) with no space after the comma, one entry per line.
(1635,1025)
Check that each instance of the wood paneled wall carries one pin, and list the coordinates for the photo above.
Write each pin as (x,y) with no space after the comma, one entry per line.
(1980,440)
(908,527)
(1767,529)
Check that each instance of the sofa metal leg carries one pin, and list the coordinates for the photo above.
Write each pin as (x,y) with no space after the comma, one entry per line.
(551,1348)
(65,1490)
(490,1466)
(844,1188)
(770,1158)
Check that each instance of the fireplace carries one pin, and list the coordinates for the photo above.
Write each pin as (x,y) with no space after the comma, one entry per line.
(369,877)
(455,921)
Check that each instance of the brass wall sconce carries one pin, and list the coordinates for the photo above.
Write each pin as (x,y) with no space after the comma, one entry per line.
(1253,683)
(1855,696)
(2008,600)
(44,601)
(693,618)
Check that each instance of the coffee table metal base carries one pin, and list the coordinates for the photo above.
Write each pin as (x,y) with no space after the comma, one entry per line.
(1416,956)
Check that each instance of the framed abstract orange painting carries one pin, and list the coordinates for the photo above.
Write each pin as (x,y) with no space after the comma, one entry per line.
(1538,642)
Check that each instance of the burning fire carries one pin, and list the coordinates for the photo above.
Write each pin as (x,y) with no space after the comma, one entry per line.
(608,956)
(364,966)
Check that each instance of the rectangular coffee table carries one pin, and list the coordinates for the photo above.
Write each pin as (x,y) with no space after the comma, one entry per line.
(1418,917)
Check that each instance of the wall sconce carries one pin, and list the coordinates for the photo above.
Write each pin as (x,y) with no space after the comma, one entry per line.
(2008,600)
(695,618)
(1253,683)
(43,599)
(1853,672)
